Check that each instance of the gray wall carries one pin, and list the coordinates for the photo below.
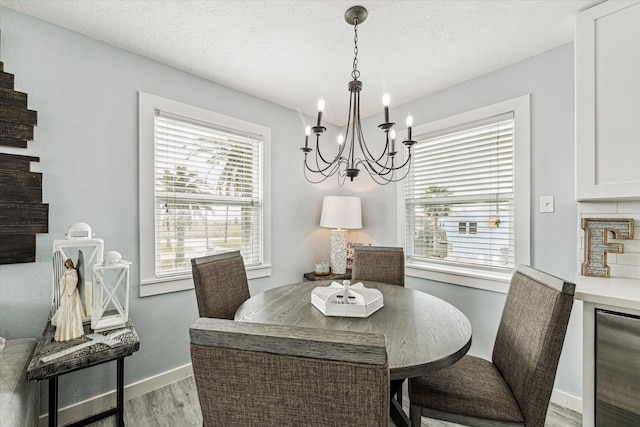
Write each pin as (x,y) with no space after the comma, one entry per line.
(549,79)
(85,93)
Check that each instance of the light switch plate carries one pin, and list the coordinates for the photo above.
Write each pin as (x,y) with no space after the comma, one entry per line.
(546,204)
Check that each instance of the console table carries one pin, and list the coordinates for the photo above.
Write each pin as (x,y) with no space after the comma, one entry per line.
(331,276)
(115,344)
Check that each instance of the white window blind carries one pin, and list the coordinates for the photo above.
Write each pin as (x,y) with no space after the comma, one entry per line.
(208,193)
(460,196)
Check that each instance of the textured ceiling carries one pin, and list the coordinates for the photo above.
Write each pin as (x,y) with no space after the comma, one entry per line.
(294,52)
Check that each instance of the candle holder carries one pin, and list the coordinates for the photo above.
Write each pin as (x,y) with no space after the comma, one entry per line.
(110,293)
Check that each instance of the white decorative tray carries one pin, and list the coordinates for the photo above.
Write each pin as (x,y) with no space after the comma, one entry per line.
(345,300)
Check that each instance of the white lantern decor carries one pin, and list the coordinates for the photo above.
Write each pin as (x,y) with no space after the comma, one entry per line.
(110,293)
(84,251)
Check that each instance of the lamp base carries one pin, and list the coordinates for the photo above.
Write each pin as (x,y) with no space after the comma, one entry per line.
(339,251)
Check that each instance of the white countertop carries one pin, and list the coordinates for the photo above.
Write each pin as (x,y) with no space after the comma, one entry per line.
(614,291)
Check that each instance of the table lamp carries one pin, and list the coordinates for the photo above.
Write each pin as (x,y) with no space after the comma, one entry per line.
(340,213)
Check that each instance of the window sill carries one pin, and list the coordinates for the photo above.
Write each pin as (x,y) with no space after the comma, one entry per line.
(472,278)
(182,283)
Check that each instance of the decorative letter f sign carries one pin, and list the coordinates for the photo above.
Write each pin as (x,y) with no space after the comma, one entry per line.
(597,246)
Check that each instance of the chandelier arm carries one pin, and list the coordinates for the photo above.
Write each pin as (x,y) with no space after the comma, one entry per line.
(367,153)
(304,172)
(384,166)
(358,130)
(321,169)
(342,178)
(350,123)
(377,178)
(347,131)
(393,178)
(381,180)
(363,145)
(318,153)
(331,167)
(386,146)
(397,168)
(346,135)
(382,170)
(323,172)
(318,169)
(387,169)
(407,162)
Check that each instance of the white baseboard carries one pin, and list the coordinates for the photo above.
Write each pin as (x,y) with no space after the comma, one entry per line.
(566,400)
(105,401)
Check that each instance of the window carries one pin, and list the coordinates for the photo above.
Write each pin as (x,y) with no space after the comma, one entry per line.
(468,228)
(466,198)
(203,191)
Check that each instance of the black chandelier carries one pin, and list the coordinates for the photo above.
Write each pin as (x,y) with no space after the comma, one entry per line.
(383,168)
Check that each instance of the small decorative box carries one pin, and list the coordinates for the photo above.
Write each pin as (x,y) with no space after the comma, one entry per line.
(345,300)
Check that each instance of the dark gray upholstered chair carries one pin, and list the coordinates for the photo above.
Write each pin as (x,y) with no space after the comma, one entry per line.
(255,374)
(379,264)
(515,389)
(221,284)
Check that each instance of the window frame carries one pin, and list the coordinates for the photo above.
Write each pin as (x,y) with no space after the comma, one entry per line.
(147,105)
(470,275)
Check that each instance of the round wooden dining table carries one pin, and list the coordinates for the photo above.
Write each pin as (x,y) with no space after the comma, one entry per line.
(423,333)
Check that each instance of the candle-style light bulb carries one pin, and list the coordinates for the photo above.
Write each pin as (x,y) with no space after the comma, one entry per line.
(409,124)
(340,139)
(320,110)
(392,134)
(385,102)
(307,132)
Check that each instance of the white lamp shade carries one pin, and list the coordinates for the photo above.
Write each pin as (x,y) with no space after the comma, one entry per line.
(341,212)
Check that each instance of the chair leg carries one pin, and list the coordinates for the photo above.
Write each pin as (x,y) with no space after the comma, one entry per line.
(415,415)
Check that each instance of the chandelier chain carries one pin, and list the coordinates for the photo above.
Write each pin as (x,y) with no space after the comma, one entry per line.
(355,73)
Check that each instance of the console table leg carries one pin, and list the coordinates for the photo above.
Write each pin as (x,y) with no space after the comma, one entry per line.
(53,402)
(120,393)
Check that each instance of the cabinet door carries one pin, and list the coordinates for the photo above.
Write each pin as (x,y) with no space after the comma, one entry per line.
(617,369)
(607,52)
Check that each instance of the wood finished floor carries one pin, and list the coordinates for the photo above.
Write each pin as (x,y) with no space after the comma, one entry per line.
(176,405)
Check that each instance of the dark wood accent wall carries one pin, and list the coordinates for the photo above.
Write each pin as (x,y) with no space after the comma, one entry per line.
(22,213)
(16,120)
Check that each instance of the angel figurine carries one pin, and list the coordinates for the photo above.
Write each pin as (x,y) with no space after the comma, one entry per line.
(68,317)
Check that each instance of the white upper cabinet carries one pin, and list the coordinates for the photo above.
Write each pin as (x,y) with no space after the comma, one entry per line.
(607,70)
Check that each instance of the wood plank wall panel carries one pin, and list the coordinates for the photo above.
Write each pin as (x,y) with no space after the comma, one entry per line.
(6,80)
(14,114)
(22,213)
(23,218)
(17,246)
(16,163)
(18,186)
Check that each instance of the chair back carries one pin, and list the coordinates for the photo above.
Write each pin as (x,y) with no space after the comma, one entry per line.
(379,264)
(221,285)
(253,374)
(530,338)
